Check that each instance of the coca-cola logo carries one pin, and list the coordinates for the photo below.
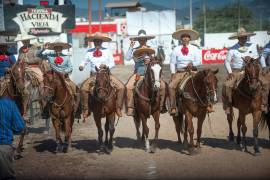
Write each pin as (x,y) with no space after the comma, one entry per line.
(215,55)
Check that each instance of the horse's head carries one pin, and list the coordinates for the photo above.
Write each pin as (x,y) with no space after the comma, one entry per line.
(49,89)
(18,74)
(153,74)
(252,71)
(210,81)
(102,84)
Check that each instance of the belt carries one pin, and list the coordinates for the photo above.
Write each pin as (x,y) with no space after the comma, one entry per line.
(236,70)
(33,65)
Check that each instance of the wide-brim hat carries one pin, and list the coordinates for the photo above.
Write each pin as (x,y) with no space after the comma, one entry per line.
(241,32)
(58,43)
(99,36)
(141,35)
(142,50)
(23,37)
(194,35)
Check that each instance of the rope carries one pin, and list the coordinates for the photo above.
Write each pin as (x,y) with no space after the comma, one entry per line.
(196,91)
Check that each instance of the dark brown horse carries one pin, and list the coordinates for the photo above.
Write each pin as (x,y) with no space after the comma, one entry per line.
(103,104)
(247,98)
(147,102)
(192,101)
(61,107)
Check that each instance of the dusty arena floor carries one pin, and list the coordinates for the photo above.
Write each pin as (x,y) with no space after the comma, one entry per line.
(218,158)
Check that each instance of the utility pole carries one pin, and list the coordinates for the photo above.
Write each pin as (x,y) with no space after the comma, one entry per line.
(99,15)
(204,20)
(239,13)
(190,14)
(89,20)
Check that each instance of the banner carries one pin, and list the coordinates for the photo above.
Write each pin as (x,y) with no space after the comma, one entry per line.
(214,56)
(39,20)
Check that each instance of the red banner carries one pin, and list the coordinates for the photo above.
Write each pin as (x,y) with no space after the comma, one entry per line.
(214,56)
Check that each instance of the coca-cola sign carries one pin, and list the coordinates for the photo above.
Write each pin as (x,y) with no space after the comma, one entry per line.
(214,56)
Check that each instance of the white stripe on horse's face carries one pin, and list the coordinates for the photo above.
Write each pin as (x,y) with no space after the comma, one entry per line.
(156,70)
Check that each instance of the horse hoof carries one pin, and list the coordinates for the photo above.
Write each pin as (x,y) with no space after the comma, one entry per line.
(153,148)
(231,138)
(186,145)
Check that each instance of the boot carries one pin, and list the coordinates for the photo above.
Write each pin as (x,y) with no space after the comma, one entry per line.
(130,102)
(119,101)
(172,101)
(265,93)
(84,99)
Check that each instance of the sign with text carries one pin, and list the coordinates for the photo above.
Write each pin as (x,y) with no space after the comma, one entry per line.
(214,56)
(39,20)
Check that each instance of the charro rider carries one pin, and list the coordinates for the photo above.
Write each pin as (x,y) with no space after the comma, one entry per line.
(184,57)
(265,78)
(99,56)
(234,63)
(140,66)
(28,54)
(61,63)
(7,59)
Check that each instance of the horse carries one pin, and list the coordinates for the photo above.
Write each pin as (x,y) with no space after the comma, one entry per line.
(247,98)
(147,102)
(192,101)
(161,55)
(103,104)
(61,108)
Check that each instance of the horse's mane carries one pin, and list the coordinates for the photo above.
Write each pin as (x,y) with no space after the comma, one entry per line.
(62,80)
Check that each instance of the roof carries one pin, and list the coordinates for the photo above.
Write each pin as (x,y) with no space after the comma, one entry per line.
(123,4)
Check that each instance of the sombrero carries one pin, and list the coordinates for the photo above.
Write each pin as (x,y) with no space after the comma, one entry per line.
(194,35)
(142,50)
(100,36)
(241,32)
(22,37)
(59,43)
(142,35)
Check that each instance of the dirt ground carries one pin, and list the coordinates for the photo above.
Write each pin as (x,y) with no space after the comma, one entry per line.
(218,157)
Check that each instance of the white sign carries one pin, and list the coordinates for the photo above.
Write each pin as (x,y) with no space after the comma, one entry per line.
(40,21)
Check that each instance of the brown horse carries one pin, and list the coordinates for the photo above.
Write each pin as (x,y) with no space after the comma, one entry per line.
(61,107)
(247,98)
(147,102)
(103,104)
(192,101)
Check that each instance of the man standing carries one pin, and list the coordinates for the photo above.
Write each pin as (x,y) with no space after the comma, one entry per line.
(99,56)
(184,57)
(10,122)
(265,78)
(139,70)
(234,63)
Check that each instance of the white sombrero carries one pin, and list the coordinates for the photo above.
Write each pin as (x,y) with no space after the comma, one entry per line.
(22,37)
(142,35)
(144,49)
(241,32)
(100,36)
(194,35)
(58,43)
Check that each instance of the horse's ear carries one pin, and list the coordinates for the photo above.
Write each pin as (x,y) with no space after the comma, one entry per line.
(215,71)
(96,68)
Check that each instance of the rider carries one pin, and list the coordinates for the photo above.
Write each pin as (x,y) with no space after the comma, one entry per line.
(99,56)
(265,63)
(7,59)
(234,63)
(28,54)
(184,57)
(62,64)
(139,71)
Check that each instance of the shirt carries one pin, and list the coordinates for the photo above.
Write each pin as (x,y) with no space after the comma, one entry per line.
(64,67)
(106,58)
(234,56)
(6,63)
(139,61)
(265,58)
(11,120)
(180,61)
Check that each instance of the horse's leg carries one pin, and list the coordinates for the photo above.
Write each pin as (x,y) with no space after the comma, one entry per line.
(256,119)
(106,127)
(100,131)
(199,129)
(56,125)
(145,133)
(137,125)
(242,119)
(190,130)
(186,133)
(20,144)
(230,120)
(67,126)
(176,120)
(111,119)
(157,126)
(239,123)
